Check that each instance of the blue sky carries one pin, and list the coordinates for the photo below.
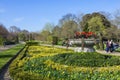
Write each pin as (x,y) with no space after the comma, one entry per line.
(32,15)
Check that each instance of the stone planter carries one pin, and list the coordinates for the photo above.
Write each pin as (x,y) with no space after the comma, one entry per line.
(86,43)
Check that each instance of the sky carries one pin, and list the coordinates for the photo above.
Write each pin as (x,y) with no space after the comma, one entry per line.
(32,15)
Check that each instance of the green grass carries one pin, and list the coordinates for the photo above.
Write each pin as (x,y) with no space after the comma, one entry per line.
(118,49)
(6,55)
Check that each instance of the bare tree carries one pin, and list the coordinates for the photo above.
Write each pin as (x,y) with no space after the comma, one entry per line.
(24,35)
(14,31)
(3,34)
(116,20)
(3,31)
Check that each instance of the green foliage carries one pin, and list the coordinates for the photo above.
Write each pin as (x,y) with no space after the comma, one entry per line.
(49,38)
(30,43)
(68,29)
(96,25)
(55,40)
(56,31)
(84,22)
(95,22)
(86,59)
(118,49)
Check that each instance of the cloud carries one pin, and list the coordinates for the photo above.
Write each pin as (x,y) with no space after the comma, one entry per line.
(19,19)
(2,10)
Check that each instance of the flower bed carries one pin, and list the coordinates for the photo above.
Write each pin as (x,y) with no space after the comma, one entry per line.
(85,35)
(48,63)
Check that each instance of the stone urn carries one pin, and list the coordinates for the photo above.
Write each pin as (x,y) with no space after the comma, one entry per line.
(83,45)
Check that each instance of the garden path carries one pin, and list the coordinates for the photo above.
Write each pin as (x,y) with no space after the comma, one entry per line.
(109,53)
(99,51)
(2,48)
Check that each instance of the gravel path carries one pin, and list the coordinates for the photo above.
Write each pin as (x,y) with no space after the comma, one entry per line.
(2,48)
(104,52)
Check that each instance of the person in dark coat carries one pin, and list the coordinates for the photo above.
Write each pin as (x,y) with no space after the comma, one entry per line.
(108,46)
(111,46)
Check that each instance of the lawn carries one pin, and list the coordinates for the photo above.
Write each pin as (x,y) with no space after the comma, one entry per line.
(6,55)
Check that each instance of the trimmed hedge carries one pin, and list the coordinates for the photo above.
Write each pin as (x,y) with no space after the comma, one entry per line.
(30,43)
(86,59)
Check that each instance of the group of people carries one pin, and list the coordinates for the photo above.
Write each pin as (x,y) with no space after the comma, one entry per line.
(110,46)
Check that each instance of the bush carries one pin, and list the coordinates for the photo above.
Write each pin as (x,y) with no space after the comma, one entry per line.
(86,59)
(9,43)
(30,43)
(55,40)
(15,66)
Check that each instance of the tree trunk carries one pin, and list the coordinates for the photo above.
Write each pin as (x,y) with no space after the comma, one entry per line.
(97,44)
(83,43)
(101,43)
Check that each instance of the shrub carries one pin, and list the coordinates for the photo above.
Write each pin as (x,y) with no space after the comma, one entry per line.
(86,59)
(30,43)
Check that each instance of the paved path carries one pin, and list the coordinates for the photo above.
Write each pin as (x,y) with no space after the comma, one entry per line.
(104,52)
(2,48)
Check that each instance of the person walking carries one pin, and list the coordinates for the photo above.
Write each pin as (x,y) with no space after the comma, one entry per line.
(108,46)
(111,46)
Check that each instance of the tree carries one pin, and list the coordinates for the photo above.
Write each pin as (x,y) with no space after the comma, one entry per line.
(56,31)
(3,31)
(3,34)
(68,25)
(78,20)
(84,22)
(106,14)
(112,33)
(68,29)
(116,20)
(37,36)
(45,34)
(67,17)
(24,35)
(98,23)
(14,31)
(87,17)
(48,27)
